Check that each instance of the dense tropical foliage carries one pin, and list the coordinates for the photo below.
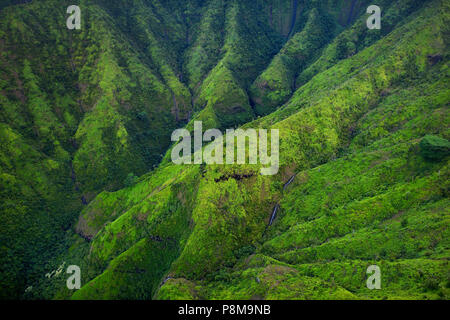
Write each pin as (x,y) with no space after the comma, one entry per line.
(86,179)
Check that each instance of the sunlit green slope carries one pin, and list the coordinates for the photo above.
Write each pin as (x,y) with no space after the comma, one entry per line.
(363,120)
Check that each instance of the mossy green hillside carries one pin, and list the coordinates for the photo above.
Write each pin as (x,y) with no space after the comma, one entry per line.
(363,192)
(86,118)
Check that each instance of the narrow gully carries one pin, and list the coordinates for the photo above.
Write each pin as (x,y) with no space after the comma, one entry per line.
(277,206)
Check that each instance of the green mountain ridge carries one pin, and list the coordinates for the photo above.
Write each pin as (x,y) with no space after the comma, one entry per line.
(363,121)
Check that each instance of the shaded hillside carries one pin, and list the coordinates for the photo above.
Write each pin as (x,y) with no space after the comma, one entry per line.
(84,113)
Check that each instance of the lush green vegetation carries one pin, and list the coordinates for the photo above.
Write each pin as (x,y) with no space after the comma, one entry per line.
(86,177)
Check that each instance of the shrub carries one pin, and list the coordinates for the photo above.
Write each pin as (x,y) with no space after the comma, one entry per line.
(404,223)
(434,148)
(244,252)
(431,283)
(143,116)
